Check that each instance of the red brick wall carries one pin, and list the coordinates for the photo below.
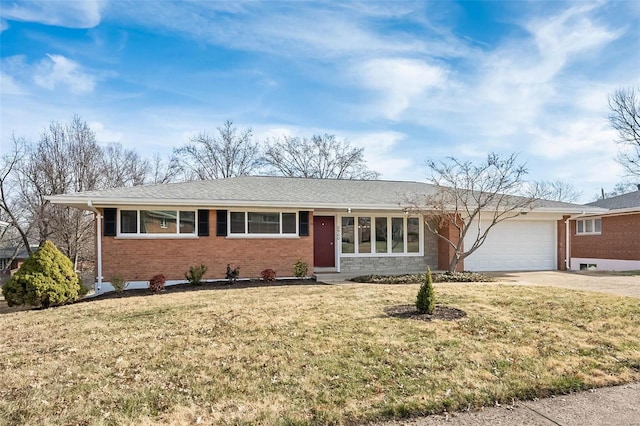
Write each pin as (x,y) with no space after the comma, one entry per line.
(445,251)
(140,259)
(620,239)
(562,244)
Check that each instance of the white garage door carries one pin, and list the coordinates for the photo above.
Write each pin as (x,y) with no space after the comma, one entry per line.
(515,245)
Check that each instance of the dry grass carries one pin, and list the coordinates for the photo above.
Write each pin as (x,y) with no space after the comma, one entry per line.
(307,354)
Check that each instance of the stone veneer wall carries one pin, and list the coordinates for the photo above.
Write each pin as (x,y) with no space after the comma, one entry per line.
(394,264)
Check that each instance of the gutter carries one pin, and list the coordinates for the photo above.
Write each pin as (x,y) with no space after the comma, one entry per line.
(98,284)
(567,258)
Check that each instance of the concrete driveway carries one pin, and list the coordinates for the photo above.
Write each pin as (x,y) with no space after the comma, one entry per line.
(623,285)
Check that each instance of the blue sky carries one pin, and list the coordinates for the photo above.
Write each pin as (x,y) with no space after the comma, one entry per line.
(406,80)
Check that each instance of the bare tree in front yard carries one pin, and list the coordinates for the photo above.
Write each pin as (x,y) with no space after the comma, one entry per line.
(470,199)
(320,157)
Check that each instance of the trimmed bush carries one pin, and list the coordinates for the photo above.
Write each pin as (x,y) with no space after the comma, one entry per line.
(268,275)
(195,274)
(156,283)
(450,277)
(119,284)
(45,279)
(426,300)
(300,269)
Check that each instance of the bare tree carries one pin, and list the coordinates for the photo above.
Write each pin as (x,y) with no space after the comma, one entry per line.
(123,167)
(66,159)
(164,171)
(618,189)
(230,153)
(558,190)
(10,205)
(470,199)
(625,119)
(321,157)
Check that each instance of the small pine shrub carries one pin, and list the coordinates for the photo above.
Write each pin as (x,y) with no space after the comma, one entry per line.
(426,300)
(46,279)
(268,275)
(300,269)
(119,284)
(84,290)
(156,283)
(195,274)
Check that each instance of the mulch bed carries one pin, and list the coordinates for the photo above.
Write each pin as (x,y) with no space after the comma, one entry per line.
(444,313)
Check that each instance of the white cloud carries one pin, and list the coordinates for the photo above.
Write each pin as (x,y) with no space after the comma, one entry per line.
(63,13)
(60,71)
(9,85)
(399,81)
(103,134)
(379,154)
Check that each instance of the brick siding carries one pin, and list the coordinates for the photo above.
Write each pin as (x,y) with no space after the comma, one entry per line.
(619,239)
(140,259)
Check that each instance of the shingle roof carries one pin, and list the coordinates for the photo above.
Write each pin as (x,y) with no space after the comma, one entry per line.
(624,201)
(271,191)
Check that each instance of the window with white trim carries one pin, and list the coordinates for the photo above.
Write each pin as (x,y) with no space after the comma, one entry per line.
(157,222)
(263,223)
(588,226)
(379,235)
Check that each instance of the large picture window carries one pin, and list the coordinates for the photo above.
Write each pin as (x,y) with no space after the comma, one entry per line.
(369,235)
(157,222)
(263,223)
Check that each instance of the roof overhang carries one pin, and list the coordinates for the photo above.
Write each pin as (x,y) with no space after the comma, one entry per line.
(92,204)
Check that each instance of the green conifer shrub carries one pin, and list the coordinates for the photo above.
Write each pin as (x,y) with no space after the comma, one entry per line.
(300,269)
(45,279)
(195,274)
(426,300)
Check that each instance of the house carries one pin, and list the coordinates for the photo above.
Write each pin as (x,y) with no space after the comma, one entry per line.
(11,258)
(608,240)
(346,226)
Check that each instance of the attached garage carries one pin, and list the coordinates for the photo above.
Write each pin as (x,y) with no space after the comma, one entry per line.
(515,245)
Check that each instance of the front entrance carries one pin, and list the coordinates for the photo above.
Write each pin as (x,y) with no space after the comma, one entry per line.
(324,252)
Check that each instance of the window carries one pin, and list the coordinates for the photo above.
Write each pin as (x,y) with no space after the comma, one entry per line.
(348,235)
(413,235)
(397,235)
(157,222)
(263,223)
(381,234)
(366,235)
(128,221)
(588,226)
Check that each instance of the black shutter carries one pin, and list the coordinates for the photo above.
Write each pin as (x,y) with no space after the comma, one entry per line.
(110,221)
(303,223)
(221,223)
(203,223)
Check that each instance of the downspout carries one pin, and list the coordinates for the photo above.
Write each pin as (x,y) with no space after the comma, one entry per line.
(567,237)
(98,284)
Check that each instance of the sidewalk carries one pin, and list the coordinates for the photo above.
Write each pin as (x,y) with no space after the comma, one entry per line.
(614,406)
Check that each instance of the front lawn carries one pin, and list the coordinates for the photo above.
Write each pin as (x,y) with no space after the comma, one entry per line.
(307,354)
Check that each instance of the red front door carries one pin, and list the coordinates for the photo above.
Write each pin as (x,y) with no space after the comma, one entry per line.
(324,251)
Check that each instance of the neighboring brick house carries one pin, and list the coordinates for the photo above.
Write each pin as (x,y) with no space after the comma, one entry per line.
(609,240)
(346,226)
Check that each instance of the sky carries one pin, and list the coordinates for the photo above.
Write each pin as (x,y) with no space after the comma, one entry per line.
(408,81)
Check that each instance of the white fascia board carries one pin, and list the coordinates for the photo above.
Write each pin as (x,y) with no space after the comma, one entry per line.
(614,212)
(112,202)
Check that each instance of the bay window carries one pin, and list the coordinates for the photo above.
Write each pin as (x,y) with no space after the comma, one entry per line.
(379,235)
